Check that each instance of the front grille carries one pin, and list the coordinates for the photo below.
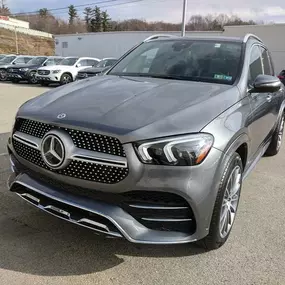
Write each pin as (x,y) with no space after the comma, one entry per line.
(43,72)
(83,140)
(77,169)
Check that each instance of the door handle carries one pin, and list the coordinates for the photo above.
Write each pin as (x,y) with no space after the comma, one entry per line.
(269,98)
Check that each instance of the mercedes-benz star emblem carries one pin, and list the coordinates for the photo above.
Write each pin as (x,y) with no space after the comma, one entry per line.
(61,116)
(53,151)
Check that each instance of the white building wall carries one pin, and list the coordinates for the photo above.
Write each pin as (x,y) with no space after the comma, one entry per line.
(271,35)
(109,44)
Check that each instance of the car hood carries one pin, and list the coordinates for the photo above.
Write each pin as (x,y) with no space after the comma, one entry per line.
(133,108)
(93,70)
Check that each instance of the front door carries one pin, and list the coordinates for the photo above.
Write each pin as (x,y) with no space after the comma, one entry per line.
(262,118)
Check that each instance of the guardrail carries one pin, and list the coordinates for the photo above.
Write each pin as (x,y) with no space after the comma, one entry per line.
(30,32)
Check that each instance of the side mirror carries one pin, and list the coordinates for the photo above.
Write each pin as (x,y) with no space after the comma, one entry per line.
(14,63)
(266,84)
(78,65)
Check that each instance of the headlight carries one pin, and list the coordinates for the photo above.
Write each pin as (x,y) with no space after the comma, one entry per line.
(180,151)
(24,69)
(56,71)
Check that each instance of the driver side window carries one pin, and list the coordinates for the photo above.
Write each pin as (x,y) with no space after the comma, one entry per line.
(255,65)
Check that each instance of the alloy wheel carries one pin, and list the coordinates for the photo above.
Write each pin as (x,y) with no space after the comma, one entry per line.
(66,79)
(230,201)
(3,75)
(33,78)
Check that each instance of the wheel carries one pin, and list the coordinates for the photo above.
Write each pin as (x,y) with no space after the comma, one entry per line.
(276,140)
(3,75)
(226,204)
(45,84)
(65,79)
(32,78)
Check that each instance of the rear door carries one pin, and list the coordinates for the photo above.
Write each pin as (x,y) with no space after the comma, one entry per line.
(262,119)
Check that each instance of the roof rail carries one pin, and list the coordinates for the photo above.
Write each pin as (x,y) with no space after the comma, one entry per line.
(247,36)
(159,36)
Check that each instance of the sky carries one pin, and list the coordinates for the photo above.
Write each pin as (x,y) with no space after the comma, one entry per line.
(166,10)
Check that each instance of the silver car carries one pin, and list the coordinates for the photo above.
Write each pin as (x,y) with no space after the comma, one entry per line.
(156,149)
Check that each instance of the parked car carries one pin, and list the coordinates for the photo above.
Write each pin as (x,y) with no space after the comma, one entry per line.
(156,150)
(66,72)
(11,60)
(26,72)
(281,76)
(2,56)
(102,66)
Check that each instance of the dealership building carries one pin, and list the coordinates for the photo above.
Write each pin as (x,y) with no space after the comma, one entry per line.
(114,44)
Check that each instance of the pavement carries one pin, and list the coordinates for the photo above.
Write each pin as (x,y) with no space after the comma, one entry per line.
(36,248)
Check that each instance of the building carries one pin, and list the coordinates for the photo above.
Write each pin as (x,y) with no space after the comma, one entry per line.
(114,44)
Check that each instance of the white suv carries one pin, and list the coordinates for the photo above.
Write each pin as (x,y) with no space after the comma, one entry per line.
(65,72)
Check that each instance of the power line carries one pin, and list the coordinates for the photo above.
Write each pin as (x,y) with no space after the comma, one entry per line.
(77,6)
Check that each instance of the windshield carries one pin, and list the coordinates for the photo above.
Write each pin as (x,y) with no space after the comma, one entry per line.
(69,61)
(37,61)
(53,61)
(2,56)
(105,63)
(194,60)
(7,59)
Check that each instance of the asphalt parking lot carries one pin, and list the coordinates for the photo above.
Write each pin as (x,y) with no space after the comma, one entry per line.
(36,248)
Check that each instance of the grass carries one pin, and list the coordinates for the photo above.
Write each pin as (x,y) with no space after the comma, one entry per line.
(27,44)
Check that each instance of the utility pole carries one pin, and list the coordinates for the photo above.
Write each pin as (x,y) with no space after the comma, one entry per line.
(16,40)
(184,18)
(2,4)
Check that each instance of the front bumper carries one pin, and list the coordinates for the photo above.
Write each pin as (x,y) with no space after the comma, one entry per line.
(197,186)
(19,76)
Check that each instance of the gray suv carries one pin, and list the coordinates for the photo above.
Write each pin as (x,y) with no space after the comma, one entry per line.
(156,149)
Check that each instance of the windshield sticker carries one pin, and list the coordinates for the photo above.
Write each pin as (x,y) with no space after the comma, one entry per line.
(217,45)
(223,77)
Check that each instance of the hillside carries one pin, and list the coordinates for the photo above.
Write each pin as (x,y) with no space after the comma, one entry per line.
(27,44)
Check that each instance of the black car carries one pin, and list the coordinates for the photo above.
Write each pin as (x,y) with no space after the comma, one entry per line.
(102,66)
(26,72)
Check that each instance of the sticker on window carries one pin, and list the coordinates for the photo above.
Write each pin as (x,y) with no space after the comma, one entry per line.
(223,77)
(217,45)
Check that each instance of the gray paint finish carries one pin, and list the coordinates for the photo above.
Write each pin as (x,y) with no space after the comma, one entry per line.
(137,108)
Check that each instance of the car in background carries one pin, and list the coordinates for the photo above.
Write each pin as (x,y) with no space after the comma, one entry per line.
(66,71)
(102,66)
(281,76)
(27,72)
(9,60)
(2,56)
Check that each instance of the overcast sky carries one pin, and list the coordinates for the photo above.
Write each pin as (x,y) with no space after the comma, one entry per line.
(166,10)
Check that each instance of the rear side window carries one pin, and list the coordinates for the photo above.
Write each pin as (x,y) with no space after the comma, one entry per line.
(255,65)
(91,62)
(266,62)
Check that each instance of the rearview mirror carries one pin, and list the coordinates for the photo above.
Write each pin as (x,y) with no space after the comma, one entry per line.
(266,84)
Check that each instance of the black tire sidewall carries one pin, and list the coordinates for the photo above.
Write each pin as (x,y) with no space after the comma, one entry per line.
(5,72)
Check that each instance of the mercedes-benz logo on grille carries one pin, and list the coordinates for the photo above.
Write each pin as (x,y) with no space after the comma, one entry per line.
(61,116)
(53,151)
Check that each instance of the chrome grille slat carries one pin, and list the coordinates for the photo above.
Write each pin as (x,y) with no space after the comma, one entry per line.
(90,171)
(153,207)
(166,220)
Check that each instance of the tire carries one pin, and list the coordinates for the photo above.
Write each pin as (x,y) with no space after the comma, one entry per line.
(44,84)
(65,79)
(3,75)
(32,78)
(218,234)
(276,140)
